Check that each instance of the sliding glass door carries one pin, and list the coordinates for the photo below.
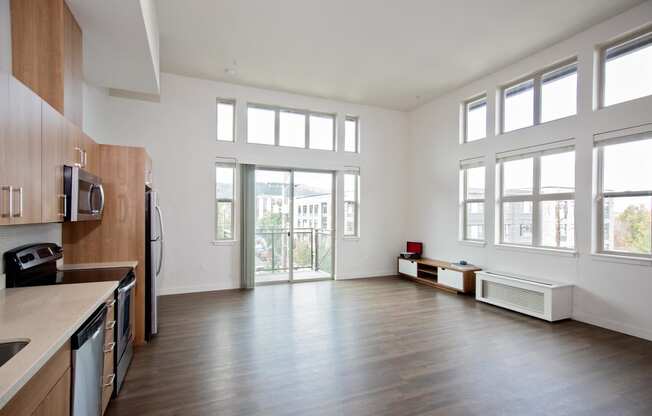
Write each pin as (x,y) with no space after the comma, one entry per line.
(294,233)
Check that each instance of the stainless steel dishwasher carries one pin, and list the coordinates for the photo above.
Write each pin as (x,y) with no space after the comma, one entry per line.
(88,365)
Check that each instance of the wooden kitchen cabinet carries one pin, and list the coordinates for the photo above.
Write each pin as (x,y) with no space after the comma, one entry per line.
(74,139)
(4,149)
(91,152)
(23,148)
(55,155)
(57,402)
(47,53)
(48,392)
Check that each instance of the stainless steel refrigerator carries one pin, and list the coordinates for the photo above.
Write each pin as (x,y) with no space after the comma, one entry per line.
(154,252)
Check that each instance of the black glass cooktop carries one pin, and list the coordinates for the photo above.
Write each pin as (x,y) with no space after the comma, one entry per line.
(120,274)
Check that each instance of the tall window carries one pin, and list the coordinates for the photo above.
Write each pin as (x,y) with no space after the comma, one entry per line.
(475,119)
(351,204)
(544,96)
(352,134)
(624,200)
(290,128)
(224,196)
(537,198)
(627,70)
(225,120)
(472,186)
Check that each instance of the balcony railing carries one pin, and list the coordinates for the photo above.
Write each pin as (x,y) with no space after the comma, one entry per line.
(312,250)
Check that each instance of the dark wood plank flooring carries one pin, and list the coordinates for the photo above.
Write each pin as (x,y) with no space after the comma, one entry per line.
(377,347)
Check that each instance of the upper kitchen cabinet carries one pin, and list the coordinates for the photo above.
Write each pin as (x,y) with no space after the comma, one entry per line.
(47,53)
(5,157)
(22,145)
(57,151)
(91,152)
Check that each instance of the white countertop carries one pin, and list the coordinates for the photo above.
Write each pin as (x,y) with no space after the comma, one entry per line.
(47,316)
(106,265)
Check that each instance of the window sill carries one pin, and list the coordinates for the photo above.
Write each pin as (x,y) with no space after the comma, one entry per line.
(351,238)
(615,258)
(538,250)
(472,243)
(223,242)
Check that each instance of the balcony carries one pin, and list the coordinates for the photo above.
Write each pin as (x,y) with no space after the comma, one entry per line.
(311,255)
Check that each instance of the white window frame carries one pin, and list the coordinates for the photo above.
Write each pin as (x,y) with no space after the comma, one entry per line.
(536,197)
(626,43)
(464,137)
(356,120)
(277,125)
(356,211)
(465,165)
(600,143)
(536,78)
(231,165)
(225,101)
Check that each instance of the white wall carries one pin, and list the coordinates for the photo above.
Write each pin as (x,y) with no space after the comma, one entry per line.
(613,295)
(179,134)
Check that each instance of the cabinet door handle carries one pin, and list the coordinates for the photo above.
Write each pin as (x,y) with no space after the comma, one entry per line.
(109,347)
(85,154)
(110,382)
(19,214)
(64,198)
(11,201)
(81,157)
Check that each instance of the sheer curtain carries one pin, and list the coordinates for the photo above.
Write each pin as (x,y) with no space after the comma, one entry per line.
(248,237)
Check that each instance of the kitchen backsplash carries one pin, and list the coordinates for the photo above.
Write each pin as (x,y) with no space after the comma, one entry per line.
(15,235)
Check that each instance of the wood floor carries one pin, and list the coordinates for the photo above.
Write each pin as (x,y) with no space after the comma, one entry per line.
(377,347)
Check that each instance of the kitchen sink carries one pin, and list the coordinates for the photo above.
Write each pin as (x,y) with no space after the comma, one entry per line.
(9,349)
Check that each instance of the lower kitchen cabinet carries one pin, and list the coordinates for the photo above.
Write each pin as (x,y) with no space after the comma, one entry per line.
(48,392)
(57,402)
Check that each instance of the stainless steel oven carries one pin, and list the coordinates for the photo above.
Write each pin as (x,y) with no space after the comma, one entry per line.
(124,334)
(84,195)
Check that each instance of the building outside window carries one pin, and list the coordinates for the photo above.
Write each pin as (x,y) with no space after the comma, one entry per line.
(225,120)
(537,197)
(224,201)
(626,70)
(351,204)
(472,199)
(547,95)
(474,123)
(352,134)
(624,199)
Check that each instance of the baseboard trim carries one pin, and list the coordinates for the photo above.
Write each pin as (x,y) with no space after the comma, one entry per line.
(366,275)
(193,289)
(613,325)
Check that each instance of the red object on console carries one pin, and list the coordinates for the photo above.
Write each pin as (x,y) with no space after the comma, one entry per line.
(414,247)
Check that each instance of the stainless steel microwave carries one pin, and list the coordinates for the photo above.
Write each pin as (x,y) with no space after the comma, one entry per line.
(84,195)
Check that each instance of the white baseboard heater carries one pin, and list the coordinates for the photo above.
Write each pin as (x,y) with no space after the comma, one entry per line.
(540,298)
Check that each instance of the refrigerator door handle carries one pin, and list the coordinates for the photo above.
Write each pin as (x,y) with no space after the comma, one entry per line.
(160,256)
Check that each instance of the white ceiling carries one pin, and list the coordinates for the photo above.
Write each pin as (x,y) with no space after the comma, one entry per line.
(384,53)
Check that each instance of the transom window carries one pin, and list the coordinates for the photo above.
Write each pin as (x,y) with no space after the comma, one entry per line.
(626,70)
(536,204)
(224,198)
(352,134)
(225,120)
(547,95)
(475,119)
(624,200)
(472,197)
(290,128)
